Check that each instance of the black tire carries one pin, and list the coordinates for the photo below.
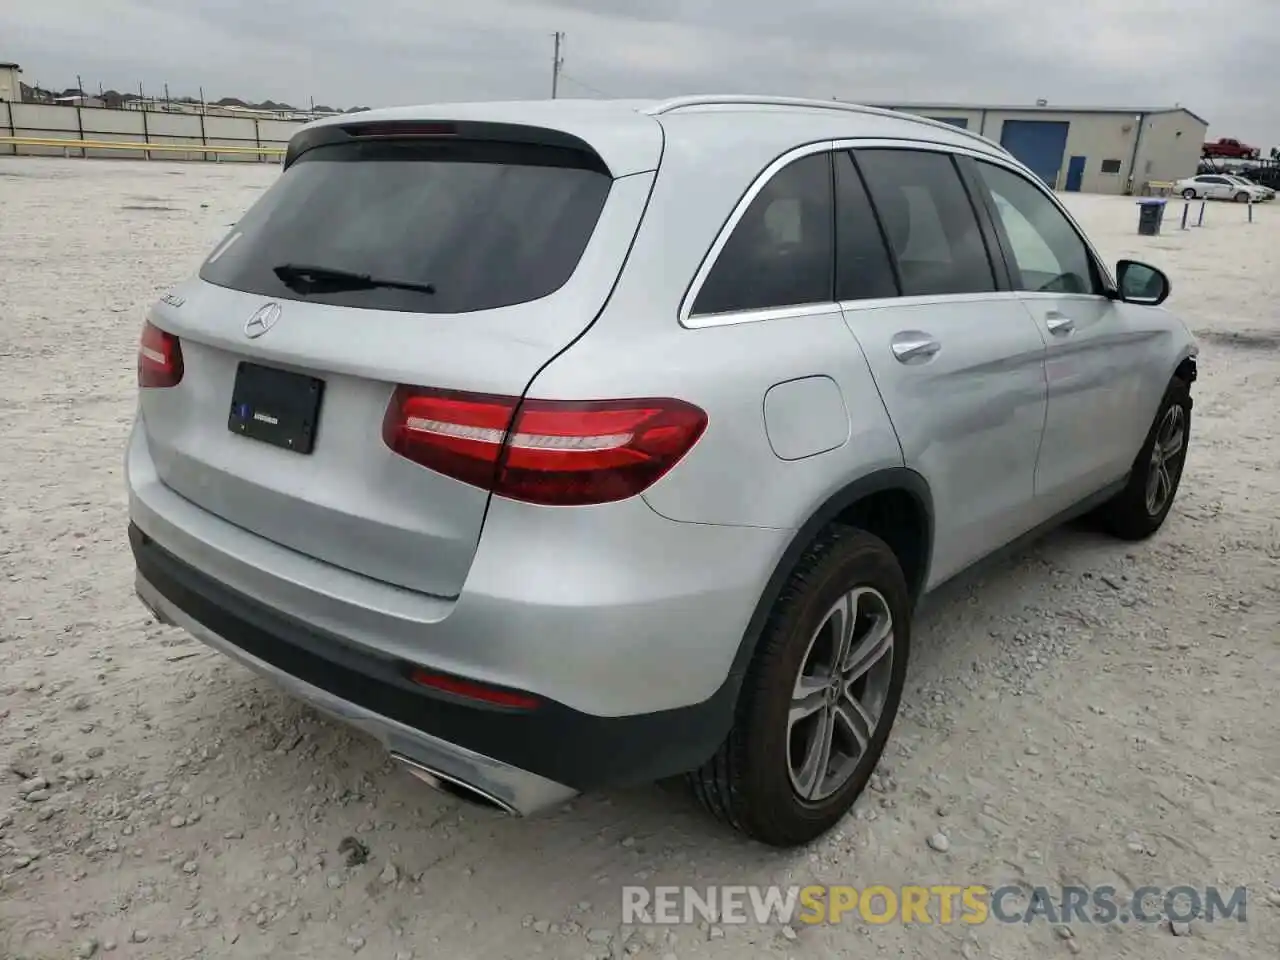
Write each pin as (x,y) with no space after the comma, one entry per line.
(1242,197)
(1129,515)
(749,782)
(1188,194)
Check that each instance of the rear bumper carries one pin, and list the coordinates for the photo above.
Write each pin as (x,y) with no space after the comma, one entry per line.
(525,760)
(613,611)
(515,790)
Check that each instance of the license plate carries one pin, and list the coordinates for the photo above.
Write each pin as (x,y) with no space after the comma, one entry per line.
(276,406)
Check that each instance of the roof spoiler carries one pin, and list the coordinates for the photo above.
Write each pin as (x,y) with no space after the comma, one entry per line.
(443,131)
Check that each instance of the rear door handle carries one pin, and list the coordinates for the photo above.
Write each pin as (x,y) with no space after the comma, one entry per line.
(1058,322)
(914,347)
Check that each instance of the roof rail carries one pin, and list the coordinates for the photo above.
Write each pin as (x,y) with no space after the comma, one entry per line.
(731,99)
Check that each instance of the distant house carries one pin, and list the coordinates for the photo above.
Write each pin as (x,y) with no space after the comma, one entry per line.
(162,106)
(1096,149)
(10,85)
(79,100)
(259,113)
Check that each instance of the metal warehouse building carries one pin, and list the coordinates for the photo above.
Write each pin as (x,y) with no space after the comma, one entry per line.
(1093,149)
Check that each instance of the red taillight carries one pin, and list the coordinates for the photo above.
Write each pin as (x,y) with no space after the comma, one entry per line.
(556,452)
(470,690)
(159,358)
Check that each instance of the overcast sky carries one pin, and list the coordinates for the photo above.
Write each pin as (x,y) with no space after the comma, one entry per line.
(1221,61)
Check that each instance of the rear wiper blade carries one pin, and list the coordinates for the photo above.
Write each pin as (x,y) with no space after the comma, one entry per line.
(331,278)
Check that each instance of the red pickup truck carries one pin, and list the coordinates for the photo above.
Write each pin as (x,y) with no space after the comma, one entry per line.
(1227,147)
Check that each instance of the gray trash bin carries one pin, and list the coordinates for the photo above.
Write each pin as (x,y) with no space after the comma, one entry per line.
(1150,216)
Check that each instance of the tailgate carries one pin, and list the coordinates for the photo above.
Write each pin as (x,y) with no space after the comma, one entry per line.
(520,264)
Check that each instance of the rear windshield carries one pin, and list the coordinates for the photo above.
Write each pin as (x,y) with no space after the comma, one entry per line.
(486,225)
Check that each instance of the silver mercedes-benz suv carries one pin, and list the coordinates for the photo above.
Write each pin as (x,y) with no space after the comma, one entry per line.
(576,444)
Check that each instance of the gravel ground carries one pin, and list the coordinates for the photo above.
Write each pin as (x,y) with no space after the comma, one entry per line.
(1087,712)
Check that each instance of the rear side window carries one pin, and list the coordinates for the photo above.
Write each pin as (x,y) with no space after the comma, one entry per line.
(781,253)
(486,225)
(928,221)
(863,270)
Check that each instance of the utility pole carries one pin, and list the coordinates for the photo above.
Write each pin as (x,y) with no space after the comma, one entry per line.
(79,85)
(556,63)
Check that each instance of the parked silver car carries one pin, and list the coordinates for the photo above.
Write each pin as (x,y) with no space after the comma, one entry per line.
(1223,186)
(576,444)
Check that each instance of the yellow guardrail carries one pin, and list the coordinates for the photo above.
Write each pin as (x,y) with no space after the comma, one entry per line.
(142,146)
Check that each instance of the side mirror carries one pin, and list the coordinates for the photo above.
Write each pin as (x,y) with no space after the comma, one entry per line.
(1141,283)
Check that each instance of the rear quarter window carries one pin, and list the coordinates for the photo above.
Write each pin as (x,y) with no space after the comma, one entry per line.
(781,252)
(487,225)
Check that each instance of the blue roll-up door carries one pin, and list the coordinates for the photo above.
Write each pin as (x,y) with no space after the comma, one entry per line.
(1040,144)
(962,122)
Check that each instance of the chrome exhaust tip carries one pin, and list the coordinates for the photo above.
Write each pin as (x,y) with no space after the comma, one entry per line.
(446,783)
(141,593)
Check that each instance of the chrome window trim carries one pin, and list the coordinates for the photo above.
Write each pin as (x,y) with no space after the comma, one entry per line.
(692,321)
(869,303)
(1050,295)
(929,299)
(730,318)
(687,319)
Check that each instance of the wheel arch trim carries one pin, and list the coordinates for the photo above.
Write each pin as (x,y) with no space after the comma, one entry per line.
(889,479)
(1186,365)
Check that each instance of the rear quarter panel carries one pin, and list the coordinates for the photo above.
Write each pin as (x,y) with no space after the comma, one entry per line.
(737,477)
(638,348)
(733,475)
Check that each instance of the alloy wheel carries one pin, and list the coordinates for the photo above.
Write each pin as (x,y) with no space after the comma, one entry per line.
(1165,453)
(840,693)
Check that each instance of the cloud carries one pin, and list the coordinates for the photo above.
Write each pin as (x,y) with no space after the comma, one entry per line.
(1097,52)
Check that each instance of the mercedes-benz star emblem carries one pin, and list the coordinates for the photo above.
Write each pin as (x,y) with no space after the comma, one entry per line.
(263,319)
